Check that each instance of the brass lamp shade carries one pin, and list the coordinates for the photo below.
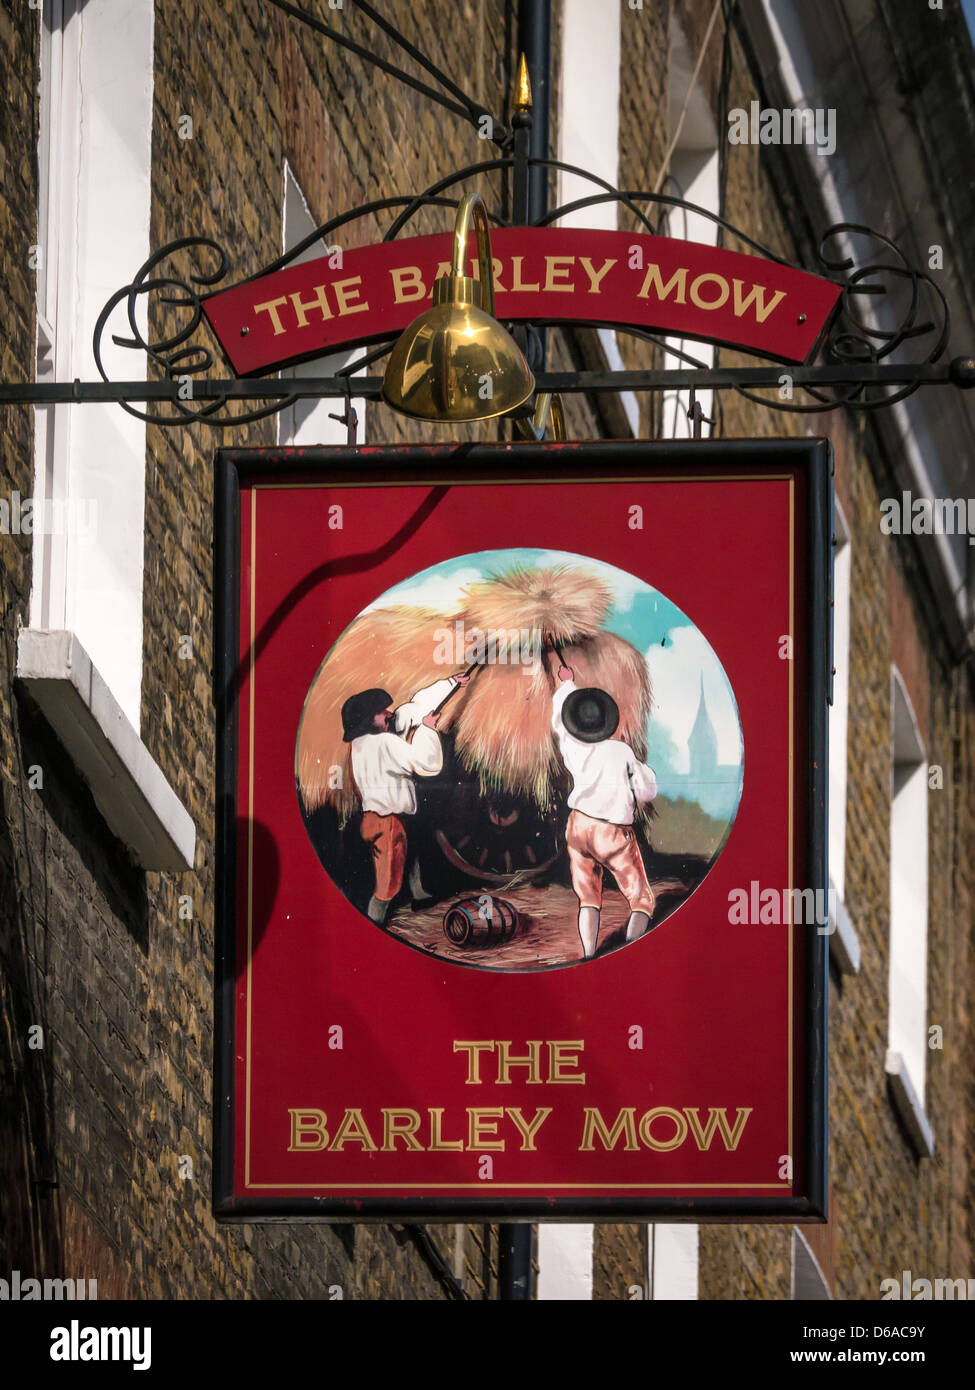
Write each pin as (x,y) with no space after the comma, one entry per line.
(456,362)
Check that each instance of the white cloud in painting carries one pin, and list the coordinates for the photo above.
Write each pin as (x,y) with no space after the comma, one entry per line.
(676,671)
(441,592)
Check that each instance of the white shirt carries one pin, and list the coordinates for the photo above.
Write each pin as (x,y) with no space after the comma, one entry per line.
(608,780)
(384,766)
(424,702)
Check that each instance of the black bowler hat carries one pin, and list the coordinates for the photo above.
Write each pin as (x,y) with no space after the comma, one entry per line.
(591,715)
(360,710)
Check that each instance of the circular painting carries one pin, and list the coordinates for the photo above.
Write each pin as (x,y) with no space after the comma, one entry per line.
(519,760)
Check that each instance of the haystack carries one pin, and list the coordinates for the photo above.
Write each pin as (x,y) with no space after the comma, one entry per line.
(501,721)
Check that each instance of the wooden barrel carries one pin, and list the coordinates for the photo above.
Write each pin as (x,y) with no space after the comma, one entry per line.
(481,921)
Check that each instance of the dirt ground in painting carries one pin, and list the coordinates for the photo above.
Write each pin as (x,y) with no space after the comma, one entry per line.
(546,934)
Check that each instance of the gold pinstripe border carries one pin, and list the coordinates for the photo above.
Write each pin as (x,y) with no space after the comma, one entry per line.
(444,1186)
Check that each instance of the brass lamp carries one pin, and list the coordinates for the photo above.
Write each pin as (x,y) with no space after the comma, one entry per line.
(456,362)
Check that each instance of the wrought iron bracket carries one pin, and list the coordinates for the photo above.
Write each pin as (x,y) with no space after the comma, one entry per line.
(855,366)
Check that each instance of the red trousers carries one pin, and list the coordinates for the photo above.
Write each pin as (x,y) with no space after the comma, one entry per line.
(595,845)
(386,837)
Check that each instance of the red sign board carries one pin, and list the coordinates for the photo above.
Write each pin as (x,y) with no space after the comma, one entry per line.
(522,819)
(542,274)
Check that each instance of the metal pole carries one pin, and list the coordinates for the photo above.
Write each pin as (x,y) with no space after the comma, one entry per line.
(535,41)
(530,200)
(515,1262)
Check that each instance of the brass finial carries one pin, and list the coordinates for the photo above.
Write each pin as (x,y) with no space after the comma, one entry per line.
(523,87)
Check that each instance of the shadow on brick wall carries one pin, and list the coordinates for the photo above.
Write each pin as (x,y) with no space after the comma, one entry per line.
(105,865)
(30,1221)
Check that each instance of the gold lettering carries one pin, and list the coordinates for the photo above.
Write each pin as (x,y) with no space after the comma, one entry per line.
(438,1144)
(400,1124)
(756,297)
(654,281)
(345,292)
(529,1128)
(595,276)
(475,272)
(561,1058)
(301,306)
(559,266)
(473,1049)
(662,1145)
(407,284)
(517,285)
(593,1125)
(308,1131)
(718,280)
(717,1119)
(353,1130)
(483,1128)
(532,1062)
(271,307)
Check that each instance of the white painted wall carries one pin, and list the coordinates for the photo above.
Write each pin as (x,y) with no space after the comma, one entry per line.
(95,213)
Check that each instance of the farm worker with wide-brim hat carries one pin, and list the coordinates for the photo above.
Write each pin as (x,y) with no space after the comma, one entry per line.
(389,749)
(609,782)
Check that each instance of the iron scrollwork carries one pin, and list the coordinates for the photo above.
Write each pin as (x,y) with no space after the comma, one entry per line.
(858,343)
(856,339)
(175,355)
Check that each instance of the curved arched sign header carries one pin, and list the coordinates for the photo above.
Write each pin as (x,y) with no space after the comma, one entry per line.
(542,274)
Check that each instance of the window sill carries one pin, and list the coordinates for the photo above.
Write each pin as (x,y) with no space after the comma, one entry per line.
(908,1106)
(130,790)
(844,945)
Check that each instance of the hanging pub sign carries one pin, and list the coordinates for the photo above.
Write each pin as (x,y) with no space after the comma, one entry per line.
(521,831)
(541,274)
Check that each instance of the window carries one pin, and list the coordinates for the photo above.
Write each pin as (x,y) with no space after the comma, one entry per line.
(907,1029)
(309,421)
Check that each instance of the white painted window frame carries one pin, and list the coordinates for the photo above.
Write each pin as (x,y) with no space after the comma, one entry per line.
(673,1251)
(843,942)
(80,656)
(565,1254)
(906,1063)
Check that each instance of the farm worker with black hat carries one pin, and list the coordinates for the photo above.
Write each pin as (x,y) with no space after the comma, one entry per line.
(608,783)
(384,764)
